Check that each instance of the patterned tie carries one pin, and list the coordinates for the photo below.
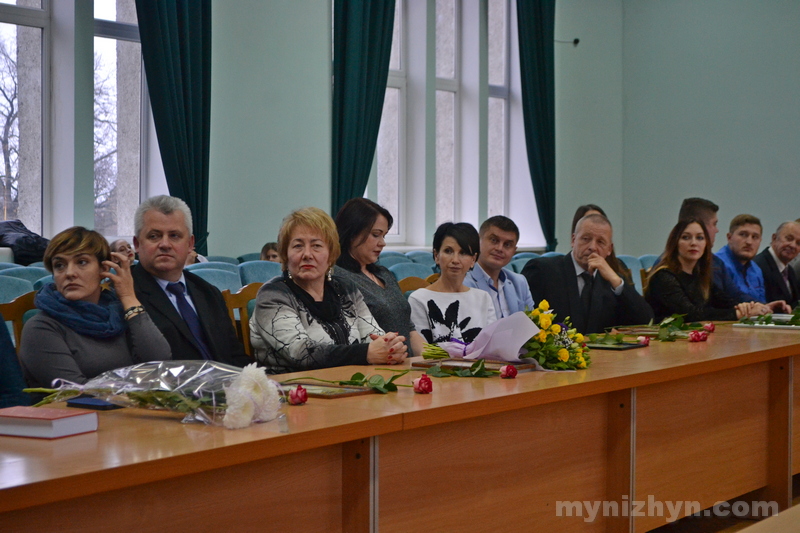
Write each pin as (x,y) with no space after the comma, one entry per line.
(785,275)
(190,317)
(586,293)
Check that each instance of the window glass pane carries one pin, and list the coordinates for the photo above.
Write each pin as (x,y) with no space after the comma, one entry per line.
(497,42)
(394,58)
(116,10)
(117,134)
(445,39)
(445,156)
(497,156)
(21,124)
(36,4)
(388,157)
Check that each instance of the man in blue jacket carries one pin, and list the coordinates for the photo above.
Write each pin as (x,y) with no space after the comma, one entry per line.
(509,291)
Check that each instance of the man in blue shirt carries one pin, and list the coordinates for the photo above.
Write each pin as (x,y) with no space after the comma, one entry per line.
(744,240)
(509,291)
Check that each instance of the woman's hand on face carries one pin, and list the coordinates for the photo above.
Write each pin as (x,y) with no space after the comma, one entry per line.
(386,349)
(122,279)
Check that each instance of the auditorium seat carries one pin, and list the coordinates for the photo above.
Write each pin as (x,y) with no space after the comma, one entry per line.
(405,270)
(218,265)
(258,271)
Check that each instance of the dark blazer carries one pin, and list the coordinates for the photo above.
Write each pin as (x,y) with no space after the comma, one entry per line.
(554,279)
(211,309)
(773,281)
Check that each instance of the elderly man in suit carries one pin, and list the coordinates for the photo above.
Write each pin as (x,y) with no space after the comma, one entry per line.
(189,311)
(583,286)
(509,291)
(780,281)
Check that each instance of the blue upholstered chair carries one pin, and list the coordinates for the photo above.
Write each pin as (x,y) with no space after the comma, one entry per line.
(222,258)
(648,260)
(552,254)
(635,266)
(258,271)
(387,253)
(390,260)
(4,266)
(405,270)
(217,265)
(221,279)
(41,282)
(525,255)
(421,257)
(11,287)
(31,274)
(518,264)
(37,264)
(254,256)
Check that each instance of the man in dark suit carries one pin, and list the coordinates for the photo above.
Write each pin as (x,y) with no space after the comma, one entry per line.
(189,311)
(780,280)
(581,285)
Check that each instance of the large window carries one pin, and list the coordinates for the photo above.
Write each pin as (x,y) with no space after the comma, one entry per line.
(118,116)
(21,127)
(444,148)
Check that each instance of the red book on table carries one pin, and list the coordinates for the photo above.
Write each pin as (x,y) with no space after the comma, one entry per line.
(46,423)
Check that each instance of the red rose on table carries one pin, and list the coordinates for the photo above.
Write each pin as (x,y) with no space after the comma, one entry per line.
(644,340)
(698,336)
(508,371)
(298,395)
(423,384)
(710,327)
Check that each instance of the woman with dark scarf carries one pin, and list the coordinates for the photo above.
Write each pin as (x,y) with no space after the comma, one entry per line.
(307,319)
(84,330)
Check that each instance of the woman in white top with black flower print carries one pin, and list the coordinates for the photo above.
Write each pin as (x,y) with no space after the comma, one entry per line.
(447,309)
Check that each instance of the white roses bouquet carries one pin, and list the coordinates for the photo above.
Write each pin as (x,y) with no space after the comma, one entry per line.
(207,391)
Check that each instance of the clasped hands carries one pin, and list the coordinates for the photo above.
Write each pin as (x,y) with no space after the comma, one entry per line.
(387,349)
(747,309)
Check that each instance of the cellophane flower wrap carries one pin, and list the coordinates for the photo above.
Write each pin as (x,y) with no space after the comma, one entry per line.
(207,391)
(557,346)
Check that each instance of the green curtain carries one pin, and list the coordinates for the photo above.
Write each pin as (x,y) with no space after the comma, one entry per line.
(536,23)
(362,43)
(176,50)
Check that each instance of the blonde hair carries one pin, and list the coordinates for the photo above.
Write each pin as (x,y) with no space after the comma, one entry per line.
(76,240)
(315,219)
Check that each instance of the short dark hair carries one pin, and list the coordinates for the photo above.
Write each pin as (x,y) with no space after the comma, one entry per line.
(500,222)
(464,233)
(741,220)
(699,208)
(354,222)
(77,240)
(581,212)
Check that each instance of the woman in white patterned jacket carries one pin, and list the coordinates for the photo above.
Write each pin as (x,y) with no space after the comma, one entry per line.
(306,320)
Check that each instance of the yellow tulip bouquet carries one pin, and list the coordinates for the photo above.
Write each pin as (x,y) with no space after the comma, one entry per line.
(557,346)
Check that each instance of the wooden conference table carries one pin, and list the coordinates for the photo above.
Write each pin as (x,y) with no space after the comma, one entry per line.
(673,422)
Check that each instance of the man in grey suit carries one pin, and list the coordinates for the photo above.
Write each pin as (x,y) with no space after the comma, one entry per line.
(189,311)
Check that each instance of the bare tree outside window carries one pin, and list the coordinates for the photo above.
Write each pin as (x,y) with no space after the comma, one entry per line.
(21,125)
(117,123)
